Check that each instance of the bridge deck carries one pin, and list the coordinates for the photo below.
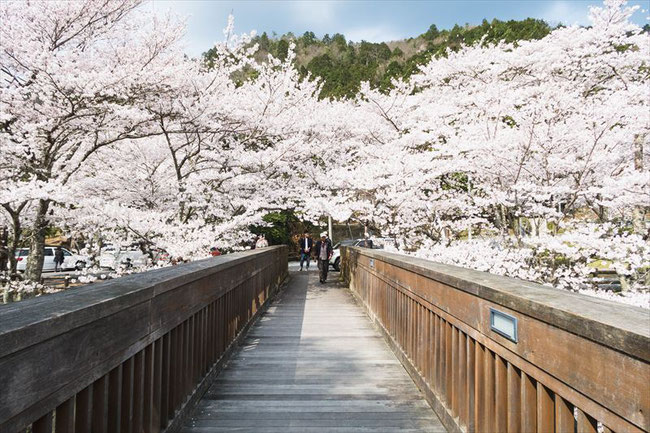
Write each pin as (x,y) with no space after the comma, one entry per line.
(313,363)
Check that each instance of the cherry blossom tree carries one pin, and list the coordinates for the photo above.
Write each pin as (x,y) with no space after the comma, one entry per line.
(76,76)
(222,159)
(526,159)
(534,132)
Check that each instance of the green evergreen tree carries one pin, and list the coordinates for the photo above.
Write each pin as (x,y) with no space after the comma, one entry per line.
(343,65)
(282,49)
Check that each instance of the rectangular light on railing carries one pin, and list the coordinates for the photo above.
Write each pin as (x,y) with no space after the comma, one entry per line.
(503,324)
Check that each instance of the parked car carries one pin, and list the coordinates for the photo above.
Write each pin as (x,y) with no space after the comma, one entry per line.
(335,261)
(70,260)
(113,258)
(161,257)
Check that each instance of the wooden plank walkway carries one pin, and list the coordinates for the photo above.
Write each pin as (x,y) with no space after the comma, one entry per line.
(313,363)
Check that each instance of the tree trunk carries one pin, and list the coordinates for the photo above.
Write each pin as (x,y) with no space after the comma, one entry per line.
(542,226)
(515,223)
(16,229)
(15,242)
(37,243)
(504,220)
(625,283)
(638,216)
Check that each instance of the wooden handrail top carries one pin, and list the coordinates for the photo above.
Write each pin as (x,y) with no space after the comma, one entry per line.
(28,322)
(621,327)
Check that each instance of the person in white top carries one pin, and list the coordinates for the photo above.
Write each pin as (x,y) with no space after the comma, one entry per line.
(323,249)
(261,242)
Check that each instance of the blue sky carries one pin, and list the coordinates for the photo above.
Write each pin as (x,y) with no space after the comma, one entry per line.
(364,20)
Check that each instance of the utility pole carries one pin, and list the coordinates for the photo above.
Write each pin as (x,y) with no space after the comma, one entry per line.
(469,191)
(329,228)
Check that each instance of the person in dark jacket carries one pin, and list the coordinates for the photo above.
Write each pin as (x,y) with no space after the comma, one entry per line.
(4,258)
(306,244)
(323,250)
(58,259)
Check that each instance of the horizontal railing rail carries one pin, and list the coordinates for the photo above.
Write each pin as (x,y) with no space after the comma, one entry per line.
(497,354)
(128,355)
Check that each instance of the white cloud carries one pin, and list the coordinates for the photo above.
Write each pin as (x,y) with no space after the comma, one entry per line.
(378,33)
(567,13)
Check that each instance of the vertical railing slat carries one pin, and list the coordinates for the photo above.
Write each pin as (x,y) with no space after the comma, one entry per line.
(449,374)
(187,351)
(138,391)
(181,366)
(501,408)
(514,400)
(83,405)
(43,424)
(174,357)
(488,389)
(479,388)
(455,372)
(471,385)
(65,417)
(99,418)
(564,419)
(428,344)
(156,414)
(545,409)
(528,404)
(586,424)
(462,379)
(114,399)
(421,330)
(127,395)
(147,393)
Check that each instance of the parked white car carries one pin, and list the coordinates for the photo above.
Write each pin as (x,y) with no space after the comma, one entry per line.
(335,261)
(70,260)
(112,258)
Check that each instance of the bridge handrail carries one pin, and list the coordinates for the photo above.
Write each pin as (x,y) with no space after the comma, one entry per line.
(575,361)
(127,352)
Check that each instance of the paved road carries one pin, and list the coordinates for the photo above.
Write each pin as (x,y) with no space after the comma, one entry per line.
(313,363)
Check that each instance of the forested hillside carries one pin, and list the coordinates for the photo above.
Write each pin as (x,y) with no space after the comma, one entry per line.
(344,64)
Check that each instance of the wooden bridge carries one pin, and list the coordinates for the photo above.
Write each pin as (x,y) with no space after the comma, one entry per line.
(235,343)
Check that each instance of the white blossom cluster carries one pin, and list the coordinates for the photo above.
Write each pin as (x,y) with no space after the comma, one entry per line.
(526,159)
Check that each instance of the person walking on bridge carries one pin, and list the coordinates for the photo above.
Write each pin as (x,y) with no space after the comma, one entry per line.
(261,242)
(306,243)
(323,251)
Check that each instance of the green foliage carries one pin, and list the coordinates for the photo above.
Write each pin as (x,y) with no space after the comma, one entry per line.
(509,120)
(282,49)
(343,65)
(455,181)
(281,227)
(432,33)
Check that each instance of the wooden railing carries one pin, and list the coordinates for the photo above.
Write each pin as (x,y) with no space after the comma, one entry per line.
(128,355)
(557,361)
